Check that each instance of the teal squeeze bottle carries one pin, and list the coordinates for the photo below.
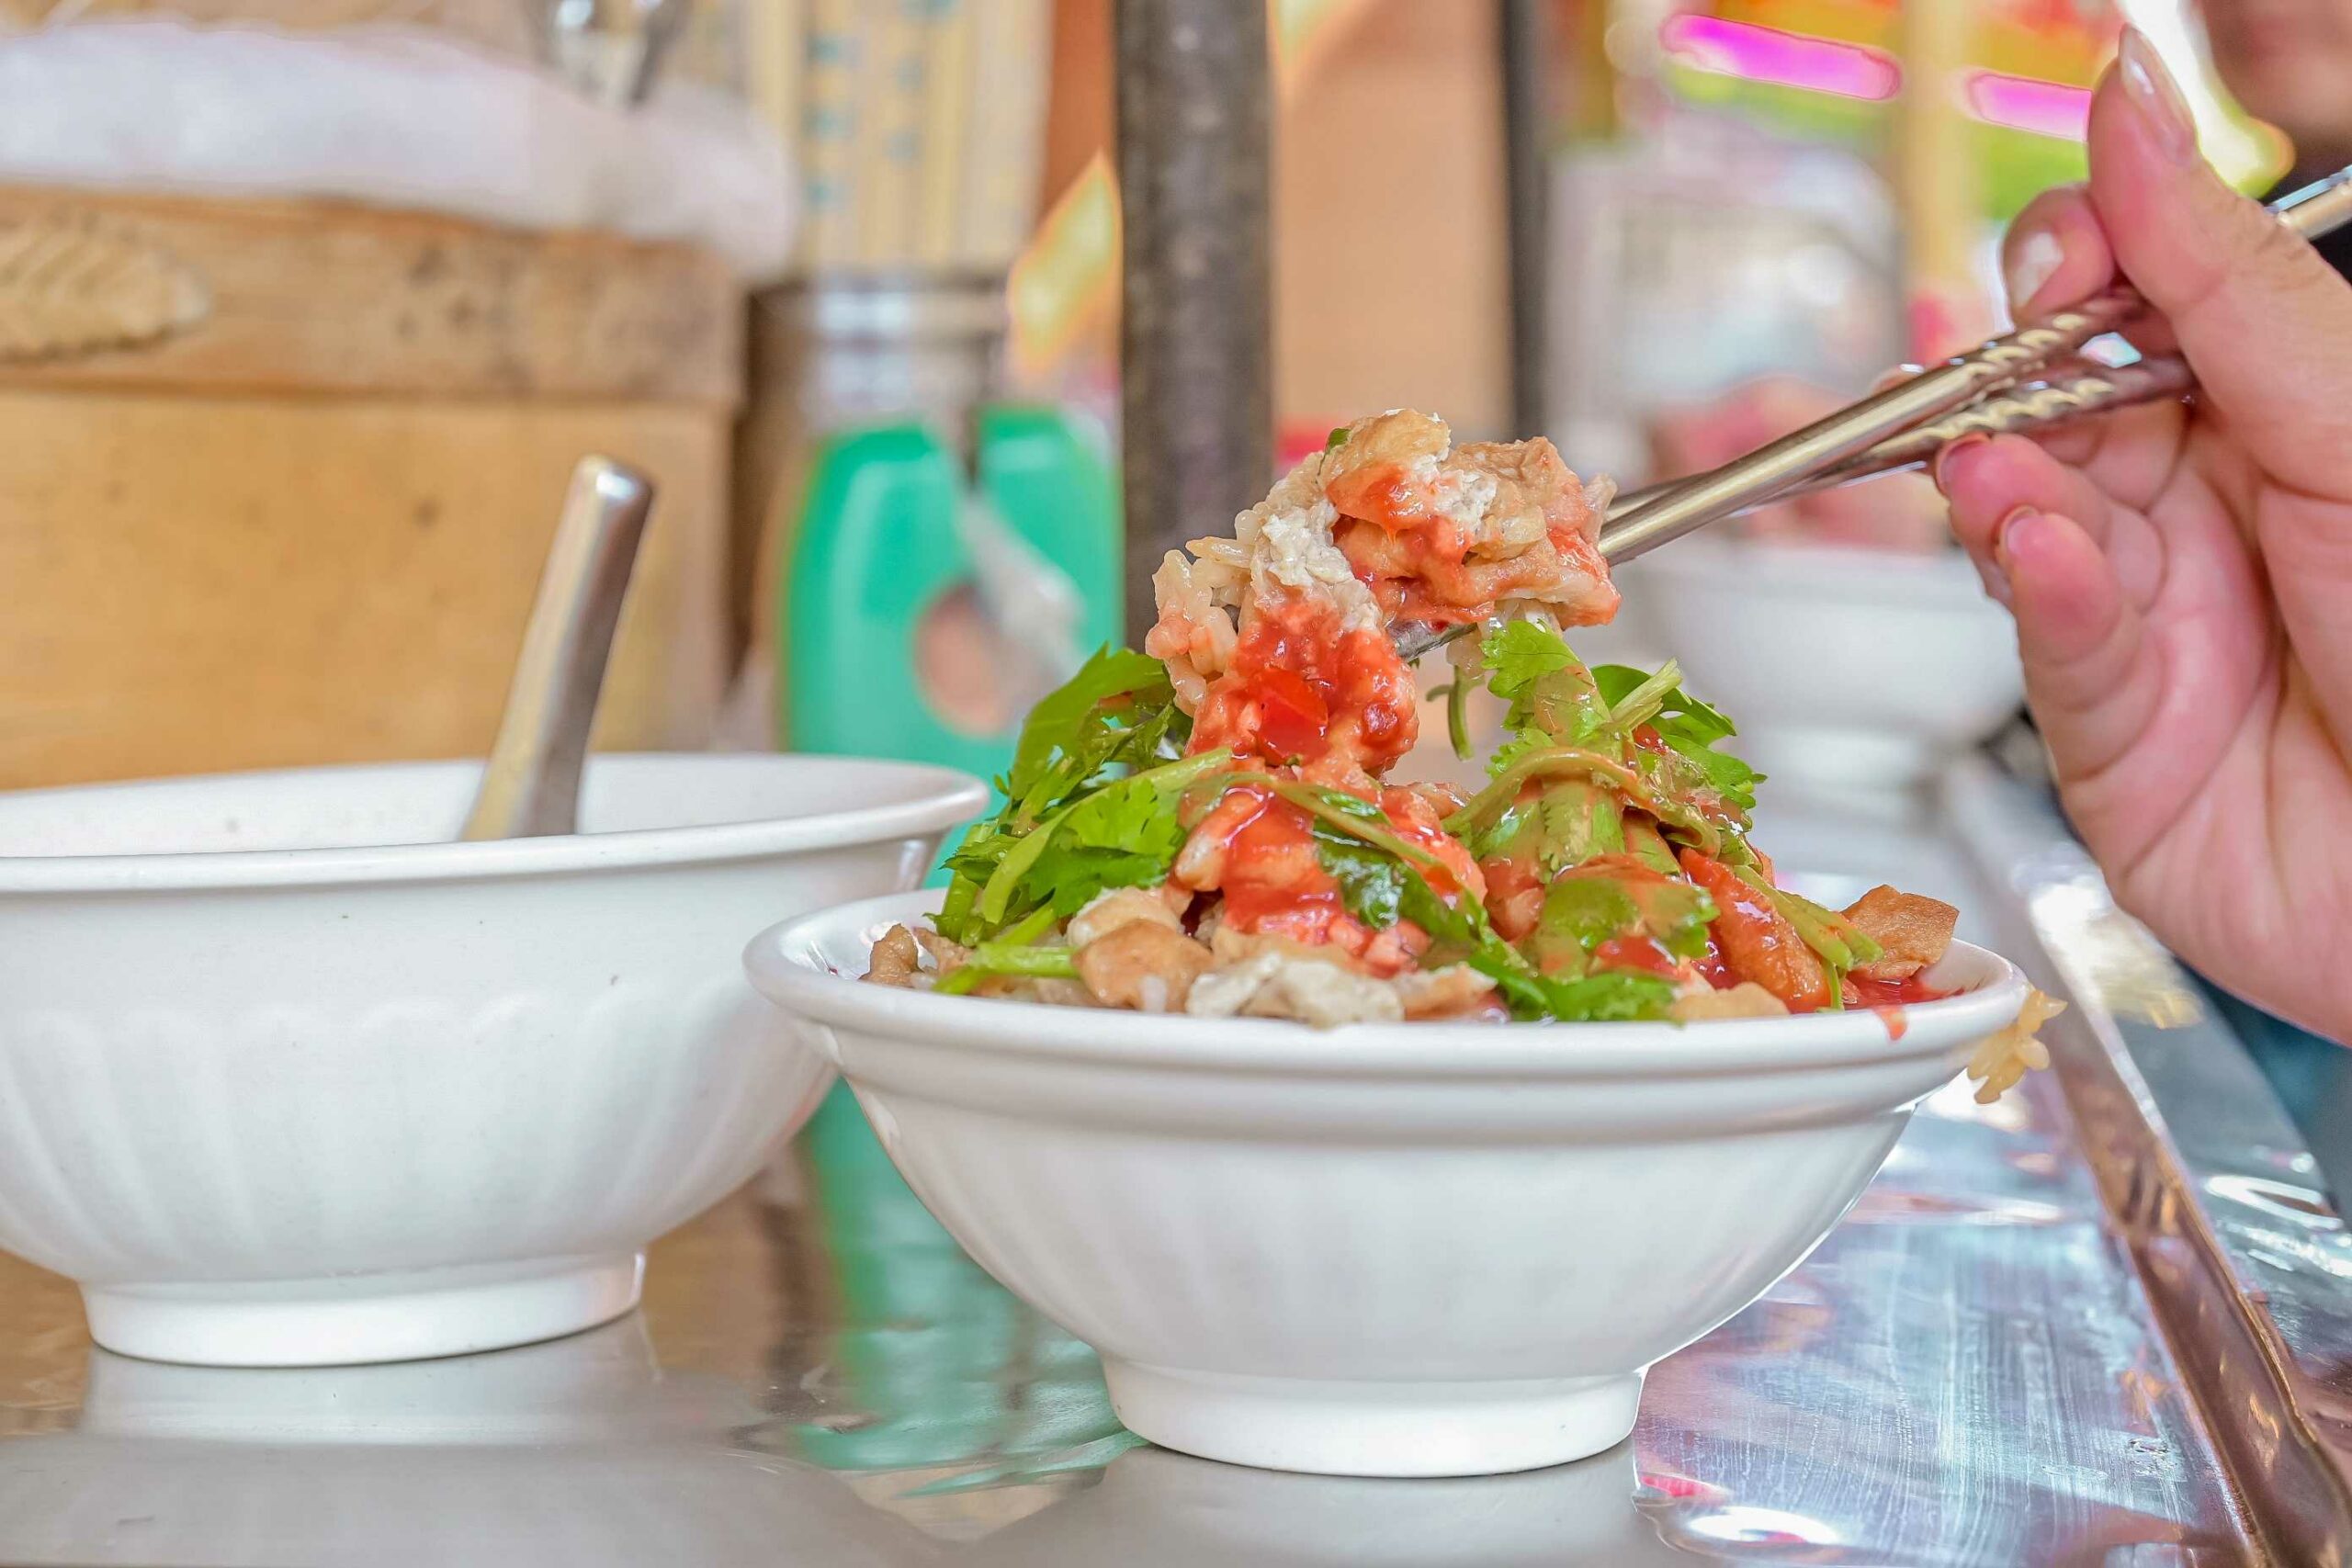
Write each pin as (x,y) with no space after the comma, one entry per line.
(877,544)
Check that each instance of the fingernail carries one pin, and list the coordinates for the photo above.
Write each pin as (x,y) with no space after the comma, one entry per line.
(2034,260)
(1997,582)
(1938,469)
(2156,96)
(1997,588)
(2004,531)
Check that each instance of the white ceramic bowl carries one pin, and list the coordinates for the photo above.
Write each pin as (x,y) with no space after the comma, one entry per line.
(272,1100)
(1844,668)
(1410,1249)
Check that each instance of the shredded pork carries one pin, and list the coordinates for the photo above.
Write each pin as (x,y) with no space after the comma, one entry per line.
(1370,529)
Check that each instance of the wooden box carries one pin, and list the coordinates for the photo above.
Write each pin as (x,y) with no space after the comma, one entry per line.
(276,478)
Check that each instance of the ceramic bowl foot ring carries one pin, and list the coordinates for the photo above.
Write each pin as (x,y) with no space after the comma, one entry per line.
(360,1319)
(1375,1428)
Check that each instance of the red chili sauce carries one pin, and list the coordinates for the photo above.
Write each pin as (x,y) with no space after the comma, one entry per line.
(1303,688)
(1636,949)
(1274,884)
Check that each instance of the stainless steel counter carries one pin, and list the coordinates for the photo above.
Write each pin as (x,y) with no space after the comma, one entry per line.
(2101,1323)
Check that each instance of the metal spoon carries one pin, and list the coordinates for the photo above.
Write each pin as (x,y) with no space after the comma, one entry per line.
(531,787)
(611,50)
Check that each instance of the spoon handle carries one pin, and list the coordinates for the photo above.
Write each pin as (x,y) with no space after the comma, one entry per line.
(531,786)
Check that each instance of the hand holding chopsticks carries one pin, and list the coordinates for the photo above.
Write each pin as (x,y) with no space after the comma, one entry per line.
(2178,580)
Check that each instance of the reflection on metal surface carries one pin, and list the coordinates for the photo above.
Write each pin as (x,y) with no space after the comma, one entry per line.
(1759,1527)
(2181,1132)
(1963,1375)
(2109,958)
(1933,1388)
(1153,1508)
(2033,1341)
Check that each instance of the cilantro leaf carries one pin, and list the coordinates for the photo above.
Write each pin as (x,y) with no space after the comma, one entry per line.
(1522,742)
(1116,718)
(1584,909)
(1501,834)
(1587,910)
(1123,835)
(1690,727)
(1646,843)
(1727,776)
(1579,820)
(1459,935)
(1678,914)
(1628,691)
(1056,726)
(1611,996)
(1372,881)
(1519,654)
(1551,693)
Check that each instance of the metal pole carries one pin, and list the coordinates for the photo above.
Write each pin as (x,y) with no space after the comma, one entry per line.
(1198,405)
(1527,126)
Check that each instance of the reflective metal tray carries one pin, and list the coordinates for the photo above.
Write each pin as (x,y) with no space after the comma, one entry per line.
(2103,1323)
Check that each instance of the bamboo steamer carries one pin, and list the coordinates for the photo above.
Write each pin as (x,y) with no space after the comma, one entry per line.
(279,478)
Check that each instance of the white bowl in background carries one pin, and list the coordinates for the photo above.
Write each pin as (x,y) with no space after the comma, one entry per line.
(1403,1249)
(288,1078)
(1844,668)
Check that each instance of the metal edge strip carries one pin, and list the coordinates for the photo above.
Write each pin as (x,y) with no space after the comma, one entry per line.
(2240,1366)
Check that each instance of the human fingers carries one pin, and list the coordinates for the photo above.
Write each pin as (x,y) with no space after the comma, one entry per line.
(2266,323)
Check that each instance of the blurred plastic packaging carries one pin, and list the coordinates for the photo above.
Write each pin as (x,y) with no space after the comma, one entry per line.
(1702,257)
(392,116)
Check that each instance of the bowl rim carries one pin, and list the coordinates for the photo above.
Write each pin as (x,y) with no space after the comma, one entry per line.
(1829,575)
(782,964)
(951,797)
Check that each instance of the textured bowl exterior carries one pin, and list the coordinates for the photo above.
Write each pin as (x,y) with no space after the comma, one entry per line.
(1344,1240)
(422,1091)
(1842,665)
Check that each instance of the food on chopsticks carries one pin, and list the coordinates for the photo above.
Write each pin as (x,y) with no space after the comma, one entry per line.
(1208,827)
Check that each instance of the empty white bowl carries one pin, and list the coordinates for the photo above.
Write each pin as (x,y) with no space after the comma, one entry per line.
(271,1098)
(1845,669)
(1405,1249)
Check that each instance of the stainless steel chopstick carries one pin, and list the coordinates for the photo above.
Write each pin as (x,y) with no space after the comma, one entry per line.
(1906,425)
(2083,391)
(2079,391)
(1835,442)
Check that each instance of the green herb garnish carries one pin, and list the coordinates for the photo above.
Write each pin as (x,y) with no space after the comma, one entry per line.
(1124,834)
(1380,886)
(1076,820)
